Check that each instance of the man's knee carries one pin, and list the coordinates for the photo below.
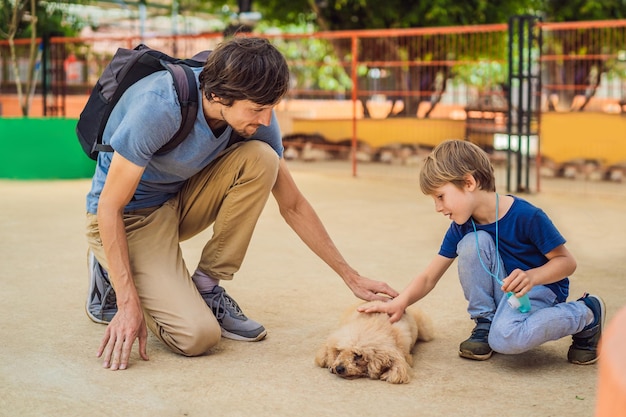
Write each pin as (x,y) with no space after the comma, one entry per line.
(196,339)
(261,157)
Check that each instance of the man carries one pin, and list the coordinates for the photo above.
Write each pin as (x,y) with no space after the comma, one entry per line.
(142,205)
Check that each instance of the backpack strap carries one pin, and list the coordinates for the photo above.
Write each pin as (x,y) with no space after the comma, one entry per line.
(144,63)
(186,89)
(198,59)
(101,147)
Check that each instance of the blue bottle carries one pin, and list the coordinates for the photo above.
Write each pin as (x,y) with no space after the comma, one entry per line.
(522,303)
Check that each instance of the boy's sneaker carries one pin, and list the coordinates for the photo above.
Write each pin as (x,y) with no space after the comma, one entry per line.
(235,325)
(584,348)
(101,301)
(477,346)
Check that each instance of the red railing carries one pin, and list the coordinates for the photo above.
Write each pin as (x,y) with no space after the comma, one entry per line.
(442,82)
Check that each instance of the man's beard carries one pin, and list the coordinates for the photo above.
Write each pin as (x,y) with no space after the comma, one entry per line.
(241,133)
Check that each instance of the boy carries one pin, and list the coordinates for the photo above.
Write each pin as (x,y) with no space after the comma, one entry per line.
(504,245)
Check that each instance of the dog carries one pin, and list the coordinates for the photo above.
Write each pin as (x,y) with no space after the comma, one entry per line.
(369,345)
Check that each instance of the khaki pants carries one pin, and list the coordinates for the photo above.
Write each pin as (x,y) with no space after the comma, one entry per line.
(230,193)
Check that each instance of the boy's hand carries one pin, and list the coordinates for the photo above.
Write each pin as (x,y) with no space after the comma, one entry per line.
(393,308)
(518,282)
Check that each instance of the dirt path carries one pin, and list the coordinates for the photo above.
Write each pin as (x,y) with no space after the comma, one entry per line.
(385,228)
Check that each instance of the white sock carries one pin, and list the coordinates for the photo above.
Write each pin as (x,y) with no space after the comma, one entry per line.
(203,282)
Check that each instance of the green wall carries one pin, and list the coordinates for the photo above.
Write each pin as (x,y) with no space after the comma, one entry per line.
(41,148)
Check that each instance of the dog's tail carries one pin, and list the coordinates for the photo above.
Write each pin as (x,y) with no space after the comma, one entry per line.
(425,329)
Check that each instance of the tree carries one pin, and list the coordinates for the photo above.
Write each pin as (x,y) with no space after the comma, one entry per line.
(582,10)
(427,81)
(27,19)
(15,14)
(585,61)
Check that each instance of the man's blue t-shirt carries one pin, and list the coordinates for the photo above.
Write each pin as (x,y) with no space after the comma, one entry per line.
(525,235)
(145,119)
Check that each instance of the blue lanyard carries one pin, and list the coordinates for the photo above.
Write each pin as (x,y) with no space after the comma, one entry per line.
(497,249)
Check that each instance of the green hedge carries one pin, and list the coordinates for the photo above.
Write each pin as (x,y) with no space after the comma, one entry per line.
(41,148)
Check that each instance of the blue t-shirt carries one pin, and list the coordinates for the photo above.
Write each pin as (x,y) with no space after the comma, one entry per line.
(145,119)
(525,235)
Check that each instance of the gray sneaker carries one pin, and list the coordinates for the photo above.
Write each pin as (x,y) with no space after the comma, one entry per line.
(235,325)
(101,301)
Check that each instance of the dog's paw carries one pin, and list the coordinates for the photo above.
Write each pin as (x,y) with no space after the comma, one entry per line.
(397,374)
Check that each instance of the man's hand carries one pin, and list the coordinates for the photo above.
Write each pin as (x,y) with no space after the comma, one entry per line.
(127,325)
(370,290)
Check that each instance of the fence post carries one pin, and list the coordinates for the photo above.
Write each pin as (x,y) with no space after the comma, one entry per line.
(355,97)
(45,79)
(524,98)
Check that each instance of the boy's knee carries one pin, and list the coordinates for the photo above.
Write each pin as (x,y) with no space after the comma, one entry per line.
(508,341)
(467,245)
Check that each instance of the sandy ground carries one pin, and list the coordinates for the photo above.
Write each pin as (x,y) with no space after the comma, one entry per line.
(384,227)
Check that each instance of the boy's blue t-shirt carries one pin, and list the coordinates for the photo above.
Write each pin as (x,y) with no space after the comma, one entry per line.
(145,119)
(525,235)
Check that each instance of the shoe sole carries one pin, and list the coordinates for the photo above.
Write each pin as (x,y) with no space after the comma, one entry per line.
(93,318)
(591,362)
(469,355)
(233,336)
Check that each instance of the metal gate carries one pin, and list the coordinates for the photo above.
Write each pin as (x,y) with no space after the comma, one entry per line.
(524,101)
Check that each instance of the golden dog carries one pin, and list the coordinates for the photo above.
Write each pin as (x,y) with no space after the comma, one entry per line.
(368,345)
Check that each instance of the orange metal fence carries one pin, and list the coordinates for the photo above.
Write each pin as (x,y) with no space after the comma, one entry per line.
(390,93)
(584,65)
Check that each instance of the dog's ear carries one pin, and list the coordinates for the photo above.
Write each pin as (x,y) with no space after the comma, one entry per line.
(325,356)
(377,362)
(359,357)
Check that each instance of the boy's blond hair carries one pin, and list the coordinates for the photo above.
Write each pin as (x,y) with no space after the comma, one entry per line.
(451,161)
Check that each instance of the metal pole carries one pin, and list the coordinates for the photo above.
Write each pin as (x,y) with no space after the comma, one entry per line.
(509,122)
(142,20)
(538,109)
(45,79)
(529,108)
(175,26)
(520,104)
(354,100)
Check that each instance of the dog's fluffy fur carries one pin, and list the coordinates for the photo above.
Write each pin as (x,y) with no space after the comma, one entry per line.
(368,345)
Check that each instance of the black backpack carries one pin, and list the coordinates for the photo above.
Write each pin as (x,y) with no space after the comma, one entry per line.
(126,68)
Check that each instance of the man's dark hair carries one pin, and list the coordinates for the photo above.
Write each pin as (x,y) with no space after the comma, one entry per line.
(245,68)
